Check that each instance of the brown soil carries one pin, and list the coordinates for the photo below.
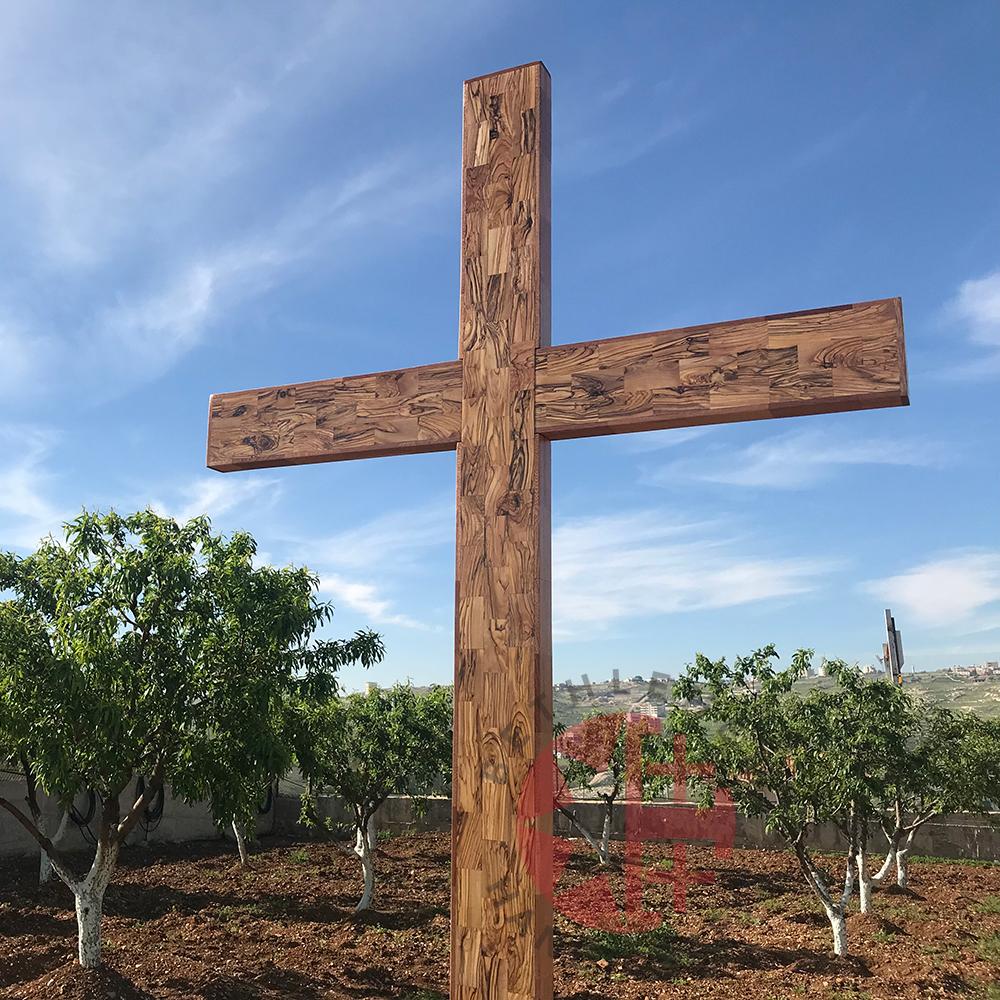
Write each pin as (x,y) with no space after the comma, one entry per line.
(184,921)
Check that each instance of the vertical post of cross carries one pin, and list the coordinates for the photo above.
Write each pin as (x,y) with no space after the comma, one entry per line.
(501,908)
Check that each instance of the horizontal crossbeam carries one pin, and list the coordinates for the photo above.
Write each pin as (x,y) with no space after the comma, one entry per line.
(363,416)
(821,361)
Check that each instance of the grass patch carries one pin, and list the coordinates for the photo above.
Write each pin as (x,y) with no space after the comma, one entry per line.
(773,904)
(300,856)
(659,944)
(240,912)
(884,936)
(989,948)
(962,862)
(991,904)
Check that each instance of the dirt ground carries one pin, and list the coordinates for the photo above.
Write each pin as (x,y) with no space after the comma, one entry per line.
(185,922)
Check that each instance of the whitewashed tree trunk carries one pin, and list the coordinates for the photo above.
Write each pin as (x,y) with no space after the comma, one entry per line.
(836,910)
(364,848)
(838,924)
(241,843)
(45,870)
(902,878)
(604,853)
(89,898)
(582,830)
(864,884)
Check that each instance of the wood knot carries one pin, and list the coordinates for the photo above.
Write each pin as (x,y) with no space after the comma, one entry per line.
(239,411)
(510,504)
(260,442)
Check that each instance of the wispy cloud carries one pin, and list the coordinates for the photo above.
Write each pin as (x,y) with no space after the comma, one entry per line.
(217,496)
(362,566)
(128,188)
(27,513)
(659,440)
(976,306)
(367,600)
(797,459)
(607,569)
(951,590)
(397,541)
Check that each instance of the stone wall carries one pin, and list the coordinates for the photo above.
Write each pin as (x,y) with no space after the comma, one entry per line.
(180,822)
(960,836)
(964,835)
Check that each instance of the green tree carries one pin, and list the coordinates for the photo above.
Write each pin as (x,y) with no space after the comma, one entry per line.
(945,762)
(142,673)
(258,651)
(25,641)
(606,754)
(366,747)
(779,756)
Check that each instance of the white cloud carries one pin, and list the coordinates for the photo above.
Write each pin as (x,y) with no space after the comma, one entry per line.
(366,599)
(797,459)
(978,304)
(217,496)
(946,591)
(20,353)
(27,514)
(151,171)
(657,440)
(397,541)
(360,565)
(651,563)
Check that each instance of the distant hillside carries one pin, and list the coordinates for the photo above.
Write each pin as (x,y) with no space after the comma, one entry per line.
(944,687)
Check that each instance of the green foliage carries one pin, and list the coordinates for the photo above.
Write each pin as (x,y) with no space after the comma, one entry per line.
(365,747)
(142,646)
(770,749)
(619,749)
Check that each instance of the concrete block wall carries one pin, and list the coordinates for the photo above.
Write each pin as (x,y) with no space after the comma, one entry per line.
(960,836)
(180,823)
(967,836)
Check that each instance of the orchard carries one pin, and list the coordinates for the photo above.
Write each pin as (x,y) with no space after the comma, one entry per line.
(140,647)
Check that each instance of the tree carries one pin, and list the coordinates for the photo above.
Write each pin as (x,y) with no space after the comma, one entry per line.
(366,747)
(259,651)
(615,749)
(779,756)
(23,638)
(948,762)
(143,673)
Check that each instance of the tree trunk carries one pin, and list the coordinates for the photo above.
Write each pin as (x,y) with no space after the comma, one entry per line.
(581,829)
(364,847)
(45,870)
(604,853)
(836,911)
(838,924)
(89,909)
(864,884)
(88,895)
(902,879)
(241,843)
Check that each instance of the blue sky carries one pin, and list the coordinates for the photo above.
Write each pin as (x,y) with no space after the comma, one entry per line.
(197,199)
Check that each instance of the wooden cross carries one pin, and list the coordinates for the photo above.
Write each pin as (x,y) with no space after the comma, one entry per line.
(498,406)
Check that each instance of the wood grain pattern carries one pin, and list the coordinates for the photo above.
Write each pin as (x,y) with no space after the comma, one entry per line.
(501,917)
(821,361)
(499,405)
(364,416)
